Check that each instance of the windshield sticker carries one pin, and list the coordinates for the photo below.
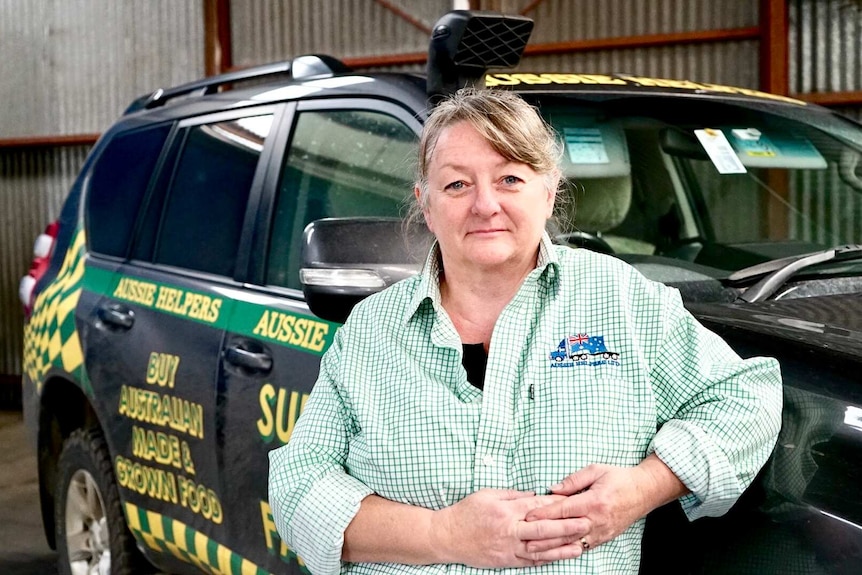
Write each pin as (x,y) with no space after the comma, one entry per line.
(752,142)
(719,151)
(585,146)
(778,150)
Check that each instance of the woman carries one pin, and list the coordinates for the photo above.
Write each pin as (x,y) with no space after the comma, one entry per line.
(440,436)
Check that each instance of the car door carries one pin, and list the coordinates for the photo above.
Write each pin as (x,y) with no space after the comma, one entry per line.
(344,157)
(156,336)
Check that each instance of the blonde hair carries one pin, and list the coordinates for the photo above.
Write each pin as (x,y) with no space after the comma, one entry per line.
(512,127)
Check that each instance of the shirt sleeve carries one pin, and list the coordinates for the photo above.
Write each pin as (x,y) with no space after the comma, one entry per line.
(718,415)
(312,497)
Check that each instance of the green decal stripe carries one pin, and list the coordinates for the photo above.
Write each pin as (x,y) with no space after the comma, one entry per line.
(302,332)
(179,540)
(212,552)
(204,308)
(298,331)
(236,563)
(188,535)
(97,280)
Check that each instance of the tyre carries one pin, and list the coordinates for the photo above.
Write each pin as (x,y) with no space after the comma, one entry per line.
(92,536)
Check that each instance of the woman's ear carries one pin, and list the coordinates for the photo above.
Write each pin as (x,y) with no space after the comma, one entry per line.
(552,192)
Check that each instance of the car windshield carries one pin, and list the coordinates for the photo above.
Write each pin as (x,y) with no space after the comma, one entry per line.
(706,184)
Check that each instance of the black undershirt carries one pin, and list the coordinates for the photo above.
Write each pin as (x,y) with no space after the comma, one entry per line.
(475,360)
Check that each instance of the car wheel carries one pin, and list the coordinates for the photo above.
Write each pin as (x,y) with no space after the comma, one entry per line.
(92,536)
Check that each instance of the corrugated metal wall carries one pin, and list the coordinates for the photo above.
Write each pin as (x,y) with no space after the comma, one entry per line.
(78,63)
(71,67)
(563,20)
(269,31)
(826,45)
(826,56)
(708,62)
(265,31)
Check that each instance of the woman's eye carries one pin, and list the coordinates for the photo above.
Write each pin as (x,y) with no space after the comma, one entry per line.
(511,180)
(459,185)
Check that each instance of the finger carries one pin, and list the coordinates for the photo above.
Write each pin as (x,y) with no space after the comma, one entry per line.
(526,504)
(570,551)
(512,494)
(570,507)
(579,480)
(548,544)
(553,529)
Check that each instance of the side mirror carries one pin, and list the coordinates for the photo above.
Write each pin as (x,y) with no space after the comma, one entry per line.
(347,259)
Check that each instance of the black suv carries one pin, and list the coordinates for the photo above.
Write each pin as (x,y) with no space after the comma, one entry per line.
(218,234)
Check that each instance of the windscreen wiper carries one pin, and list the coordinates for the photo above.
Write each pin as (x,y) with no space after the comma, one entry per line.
(778,271)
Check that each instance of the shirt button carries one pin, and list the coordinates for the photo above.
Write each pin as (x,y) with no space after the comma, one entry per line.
(488,461)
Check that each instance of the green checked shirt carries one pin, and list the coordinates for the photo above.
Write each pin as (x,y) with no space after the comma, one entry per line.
(392,412)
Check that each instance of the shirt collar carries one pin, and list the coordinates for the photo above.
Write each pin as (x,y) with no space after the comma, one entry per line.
(429,283)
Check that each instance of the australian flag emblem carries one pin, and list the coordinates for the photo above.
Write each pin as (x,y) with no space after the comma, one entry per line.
(583,349)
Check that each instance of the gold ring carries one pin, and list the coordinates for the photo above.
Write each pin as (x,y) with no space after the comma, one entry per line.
(584,543)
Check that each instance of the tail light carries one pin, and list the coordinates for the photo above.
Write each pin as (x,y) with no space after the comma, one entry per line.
(42,249)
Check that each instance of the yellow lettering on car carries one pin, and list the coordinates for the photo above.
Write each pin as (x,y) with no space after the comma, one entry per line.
(492,80)
(278,412)
(162,369)
(163,410)
(297,331)
(188,304)
(135,291)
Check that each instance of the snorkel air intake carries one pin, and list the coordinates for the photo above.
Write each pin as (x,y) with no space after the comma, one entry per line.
(465,44)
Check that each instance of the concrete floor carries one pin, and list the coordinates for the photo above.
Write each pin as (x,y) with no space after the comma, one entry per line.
(23,550)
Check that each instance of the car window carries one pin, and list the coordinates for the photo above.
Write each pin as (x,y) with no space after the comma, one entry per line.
(117,185)
(206,202)
(341,163)
(719,184)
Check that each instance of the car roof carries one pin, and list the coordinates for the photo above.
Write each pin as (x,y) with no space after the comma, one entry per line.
(408,89)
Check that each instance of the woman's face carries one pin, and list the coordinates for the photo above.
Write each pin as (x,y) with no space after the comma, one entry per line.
(485,210)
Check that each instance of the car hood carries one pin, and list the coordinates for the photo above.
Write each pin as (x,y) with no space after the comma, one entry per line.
(831,322)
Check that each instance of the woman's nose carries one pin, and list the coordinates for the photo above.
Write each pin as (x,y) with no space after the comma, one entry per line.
(485,202)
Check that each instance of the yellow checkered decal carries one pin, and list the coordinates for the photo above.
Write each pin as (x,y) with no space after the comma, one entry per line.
(50,337)
(175,537)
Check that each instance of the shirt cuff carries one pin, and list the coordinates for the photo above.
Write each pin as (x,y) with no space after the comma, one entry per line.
(702,467)
(325,512)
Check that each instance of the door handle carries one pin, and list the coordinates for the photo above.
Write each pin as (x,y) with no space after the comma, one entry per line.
(117,316)
(255,361)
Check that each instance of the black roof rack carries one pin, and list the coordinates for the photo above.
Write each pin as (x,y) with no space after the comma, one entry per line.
(301,67)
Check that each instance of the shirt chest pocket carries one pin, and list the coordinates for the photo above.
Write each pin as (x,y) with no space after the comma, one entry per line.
(583,414)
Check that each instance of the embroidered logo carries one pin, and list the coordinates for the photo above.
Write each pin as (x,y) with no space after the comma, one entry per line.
(583,349)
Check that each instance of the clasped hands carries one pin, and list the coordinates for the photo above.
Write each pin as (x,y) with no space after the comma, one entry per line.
(494,528)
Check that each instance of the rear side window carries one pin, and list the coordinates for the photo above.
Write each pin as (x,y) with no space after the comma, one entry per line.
(341,163)
(206,203)
(118,182)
